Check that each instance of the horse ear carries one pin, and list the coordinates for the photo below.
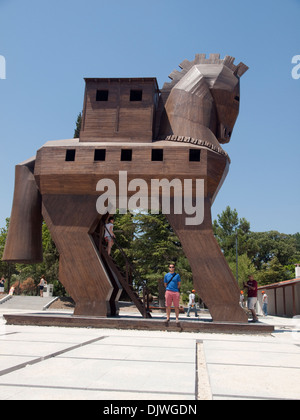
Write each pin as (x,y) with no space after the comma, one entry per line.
(241,69)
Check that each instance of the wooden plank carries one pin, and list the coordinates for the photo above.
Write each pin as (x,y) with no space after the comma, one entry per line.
(24,239)
(133,323)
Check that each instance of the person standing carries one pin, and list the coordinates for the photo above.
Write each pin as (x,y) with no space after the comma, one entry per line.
(2,283)
(251,285)
(109,234)
(42,284)
(172,282)
(265,301)
(242,299)
(192,304)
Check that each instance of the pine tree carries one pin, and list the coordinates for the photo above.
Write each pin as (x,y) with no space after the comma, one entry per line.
(78,126)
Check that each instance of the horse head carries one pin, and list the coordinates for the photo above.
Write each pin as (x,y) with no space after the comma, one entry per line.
(203,99)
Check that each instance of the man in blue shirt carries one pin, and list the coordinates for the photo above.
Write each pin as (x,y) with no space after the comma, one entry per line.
(172,283)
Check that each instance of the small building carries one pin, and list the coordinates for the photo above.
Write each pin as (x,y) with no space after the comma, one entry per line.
(119,110)
(283,298)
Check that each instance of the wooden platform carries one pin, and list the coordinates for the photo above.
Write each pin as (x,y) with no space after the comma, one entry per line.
(135,323)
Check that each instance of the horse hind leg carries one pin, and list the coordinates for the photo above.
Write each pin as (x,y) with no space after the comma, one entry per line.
(212,277)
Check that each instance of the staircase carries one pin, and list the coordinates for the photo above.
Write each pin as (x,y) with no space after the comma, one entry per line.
(126,285)
(124,279)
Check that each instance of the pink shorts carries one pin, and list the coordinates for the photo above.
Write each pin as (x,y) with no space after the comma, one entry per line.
(172,297)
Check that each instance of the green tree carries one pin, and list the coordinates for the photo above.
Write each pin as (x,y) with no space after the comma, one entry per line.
(297,238)
(272,272)
(78,126)
(21,272)
(264,246)
(225,229)
(49,267)
(245,268)
(269,256)
(151,244)
(6,269)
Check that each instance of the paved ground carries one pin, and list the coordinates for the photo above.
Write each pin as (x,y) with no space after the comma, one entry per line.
(26,302)
(44,363)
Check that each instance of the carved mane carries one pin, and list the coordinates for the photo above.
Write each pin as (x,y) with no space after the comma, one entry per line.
(186,66)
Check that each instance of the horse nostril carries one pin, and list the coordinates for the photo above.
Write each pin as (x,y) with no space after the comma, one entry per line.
(227,134)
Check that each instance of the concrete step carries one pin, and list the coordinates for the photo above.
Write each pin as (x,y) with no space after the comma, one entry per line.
(27,302)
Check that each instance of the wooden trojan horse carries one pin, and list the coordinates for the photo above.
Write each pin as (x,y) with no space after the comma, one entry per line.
(131,128)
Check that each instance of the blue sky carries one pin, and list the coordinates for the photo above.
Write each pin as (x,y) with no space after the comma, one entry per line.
(50,46)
